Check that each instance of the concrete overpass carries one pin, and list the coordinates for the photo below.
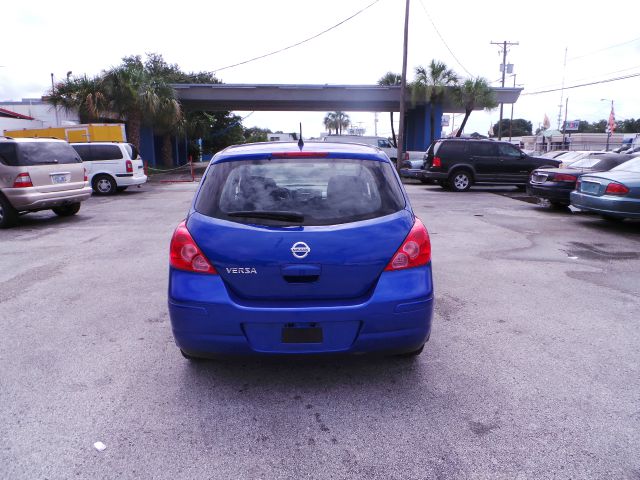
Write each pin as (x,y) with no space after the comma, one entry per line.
(326,98)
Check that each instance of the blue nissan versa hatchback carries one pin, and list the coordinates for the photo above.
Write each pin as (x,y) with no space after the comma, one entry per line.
(300,250)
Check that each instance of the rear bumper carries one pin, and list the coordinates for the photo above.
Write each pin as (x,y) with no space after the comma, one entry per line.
(24,199)
(411,173)
(130,181)
(207,321)
(554,194)
(607,205)
(435,175)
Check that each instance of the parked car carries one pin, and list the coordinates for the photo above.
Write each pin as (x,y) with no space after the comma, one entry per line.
(111,166)
(382,143)
(614,194)
(556,184)
(553,153)
(300,251)
(458,163)
(39,174)
(573,156)
(411,166)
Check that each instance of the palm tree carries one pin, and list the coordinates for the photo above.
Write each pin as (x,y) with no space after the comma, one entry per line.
(337,120)
(391,79)
(164,112)
(85,95)
(431,84)
(472,94)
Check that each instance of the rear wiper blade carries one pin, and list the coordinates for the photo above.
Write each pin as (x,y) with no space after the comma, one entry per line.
(269,215)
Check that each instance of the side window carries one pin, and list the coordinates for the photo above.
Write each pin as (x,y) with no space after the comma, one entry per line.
(8,154)
(508,150)
(452,148)
(132,150)
(384,144)
(483,149)
(84,151)
(106,152)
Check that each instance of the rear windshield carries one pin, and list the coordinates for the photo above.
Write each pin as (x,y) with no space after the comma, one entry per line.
(24,154)
(300,191)
(629,166)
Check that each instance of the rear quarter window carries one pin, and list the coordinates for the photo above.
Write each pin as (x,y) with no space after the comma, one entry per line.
(452,148)
(321,192)
(8,154)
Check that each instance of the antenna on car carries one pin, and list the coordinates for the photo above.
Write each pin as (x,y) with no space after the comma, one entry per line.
(300,141)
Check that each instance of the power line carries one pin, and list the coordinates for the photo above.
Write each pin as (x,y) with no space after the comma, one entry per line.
(549,85)
(624,77)
(298,43)
(443,40)
(604,49)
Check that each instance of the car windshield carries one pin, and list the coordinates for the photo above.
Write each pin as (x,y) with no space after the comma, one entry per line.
(630,166)
(299,191)
(588,162)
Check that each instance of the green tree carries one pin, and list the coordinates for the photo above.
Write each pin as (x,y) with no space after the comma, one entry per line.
(256,134)
(337,120)
(430,85)
(83,94)
(471,94)
(519,127)
(391,79)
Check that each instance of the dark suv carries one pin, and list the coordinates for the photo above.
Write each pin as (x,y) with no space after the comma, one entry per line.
(458,163)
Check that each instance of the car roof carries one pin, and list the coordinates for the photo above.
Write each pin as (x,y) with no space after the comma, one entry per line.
(30,139)
(265,150)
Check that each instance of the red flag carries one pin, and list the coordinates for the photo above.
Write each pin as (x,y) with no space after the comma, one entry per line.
(612,120)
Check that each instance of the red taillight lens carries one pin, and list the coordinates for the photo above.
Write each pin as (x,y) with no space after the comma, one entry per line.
(616,189)
(578,185)
(22,180)
(86,178)
(436,162)
(185,254)
(564,177)
(129,166)
(415,251)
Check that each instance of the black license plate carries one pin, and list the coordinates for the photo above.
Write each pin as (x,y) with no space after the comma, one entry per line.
(302,335)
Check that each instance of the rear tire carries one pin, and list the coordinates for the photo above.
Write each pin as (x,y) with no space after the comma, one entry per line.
(8,214)
(460,181)
(67,210)
(411,354)
(104,185)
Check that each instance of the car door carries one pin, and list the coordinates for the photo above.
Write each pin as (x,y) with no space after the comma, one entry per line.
(514,165)
(484,158)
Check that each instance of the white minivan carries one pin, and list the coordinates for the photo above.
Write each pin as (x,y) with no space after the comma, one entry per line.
(381,142)
(111,166)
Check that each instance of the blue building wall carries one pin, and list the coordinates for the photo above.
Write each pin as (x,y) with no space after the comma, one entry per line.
(418,127)
(151,148)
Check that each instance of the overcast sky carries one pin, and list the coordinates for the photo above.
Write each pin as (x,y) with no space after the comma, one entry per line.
(602,40)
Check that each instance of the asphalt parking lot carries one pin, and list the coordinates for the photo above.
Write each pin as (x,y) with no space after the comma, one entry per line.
(532,370)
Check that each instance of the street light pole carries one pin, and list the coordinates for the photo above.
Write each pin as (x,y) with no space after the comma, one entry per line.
(403,88)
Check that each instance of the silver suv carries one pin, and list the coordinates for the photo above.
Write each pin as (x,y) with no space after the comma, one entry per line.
(39,174)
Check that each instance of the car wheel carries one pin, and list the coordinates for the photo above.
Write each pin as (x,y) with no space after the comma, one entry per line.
(121,189)
(8,214)
(412,354)
(67,210)
(104,185)
(460,181)
(191,358)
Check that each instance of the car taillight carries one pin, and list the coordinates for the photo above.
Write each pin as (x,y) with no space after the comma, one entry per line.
(22,180)
(185,254)
(415,251)
(129,166)
(615,188)
(578,185)
(436,162)
(406,155)
(564,177)
(86,178)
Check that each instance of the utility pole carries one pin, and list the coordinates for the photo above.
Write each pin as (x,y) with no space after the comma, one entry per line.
(55,107)
(511,121)
(564,68)
(504,46)
(403,87)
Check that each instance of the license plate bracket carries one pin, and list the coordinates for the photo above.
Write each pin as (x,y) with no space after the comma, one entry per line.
(57,178)
(302,335)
